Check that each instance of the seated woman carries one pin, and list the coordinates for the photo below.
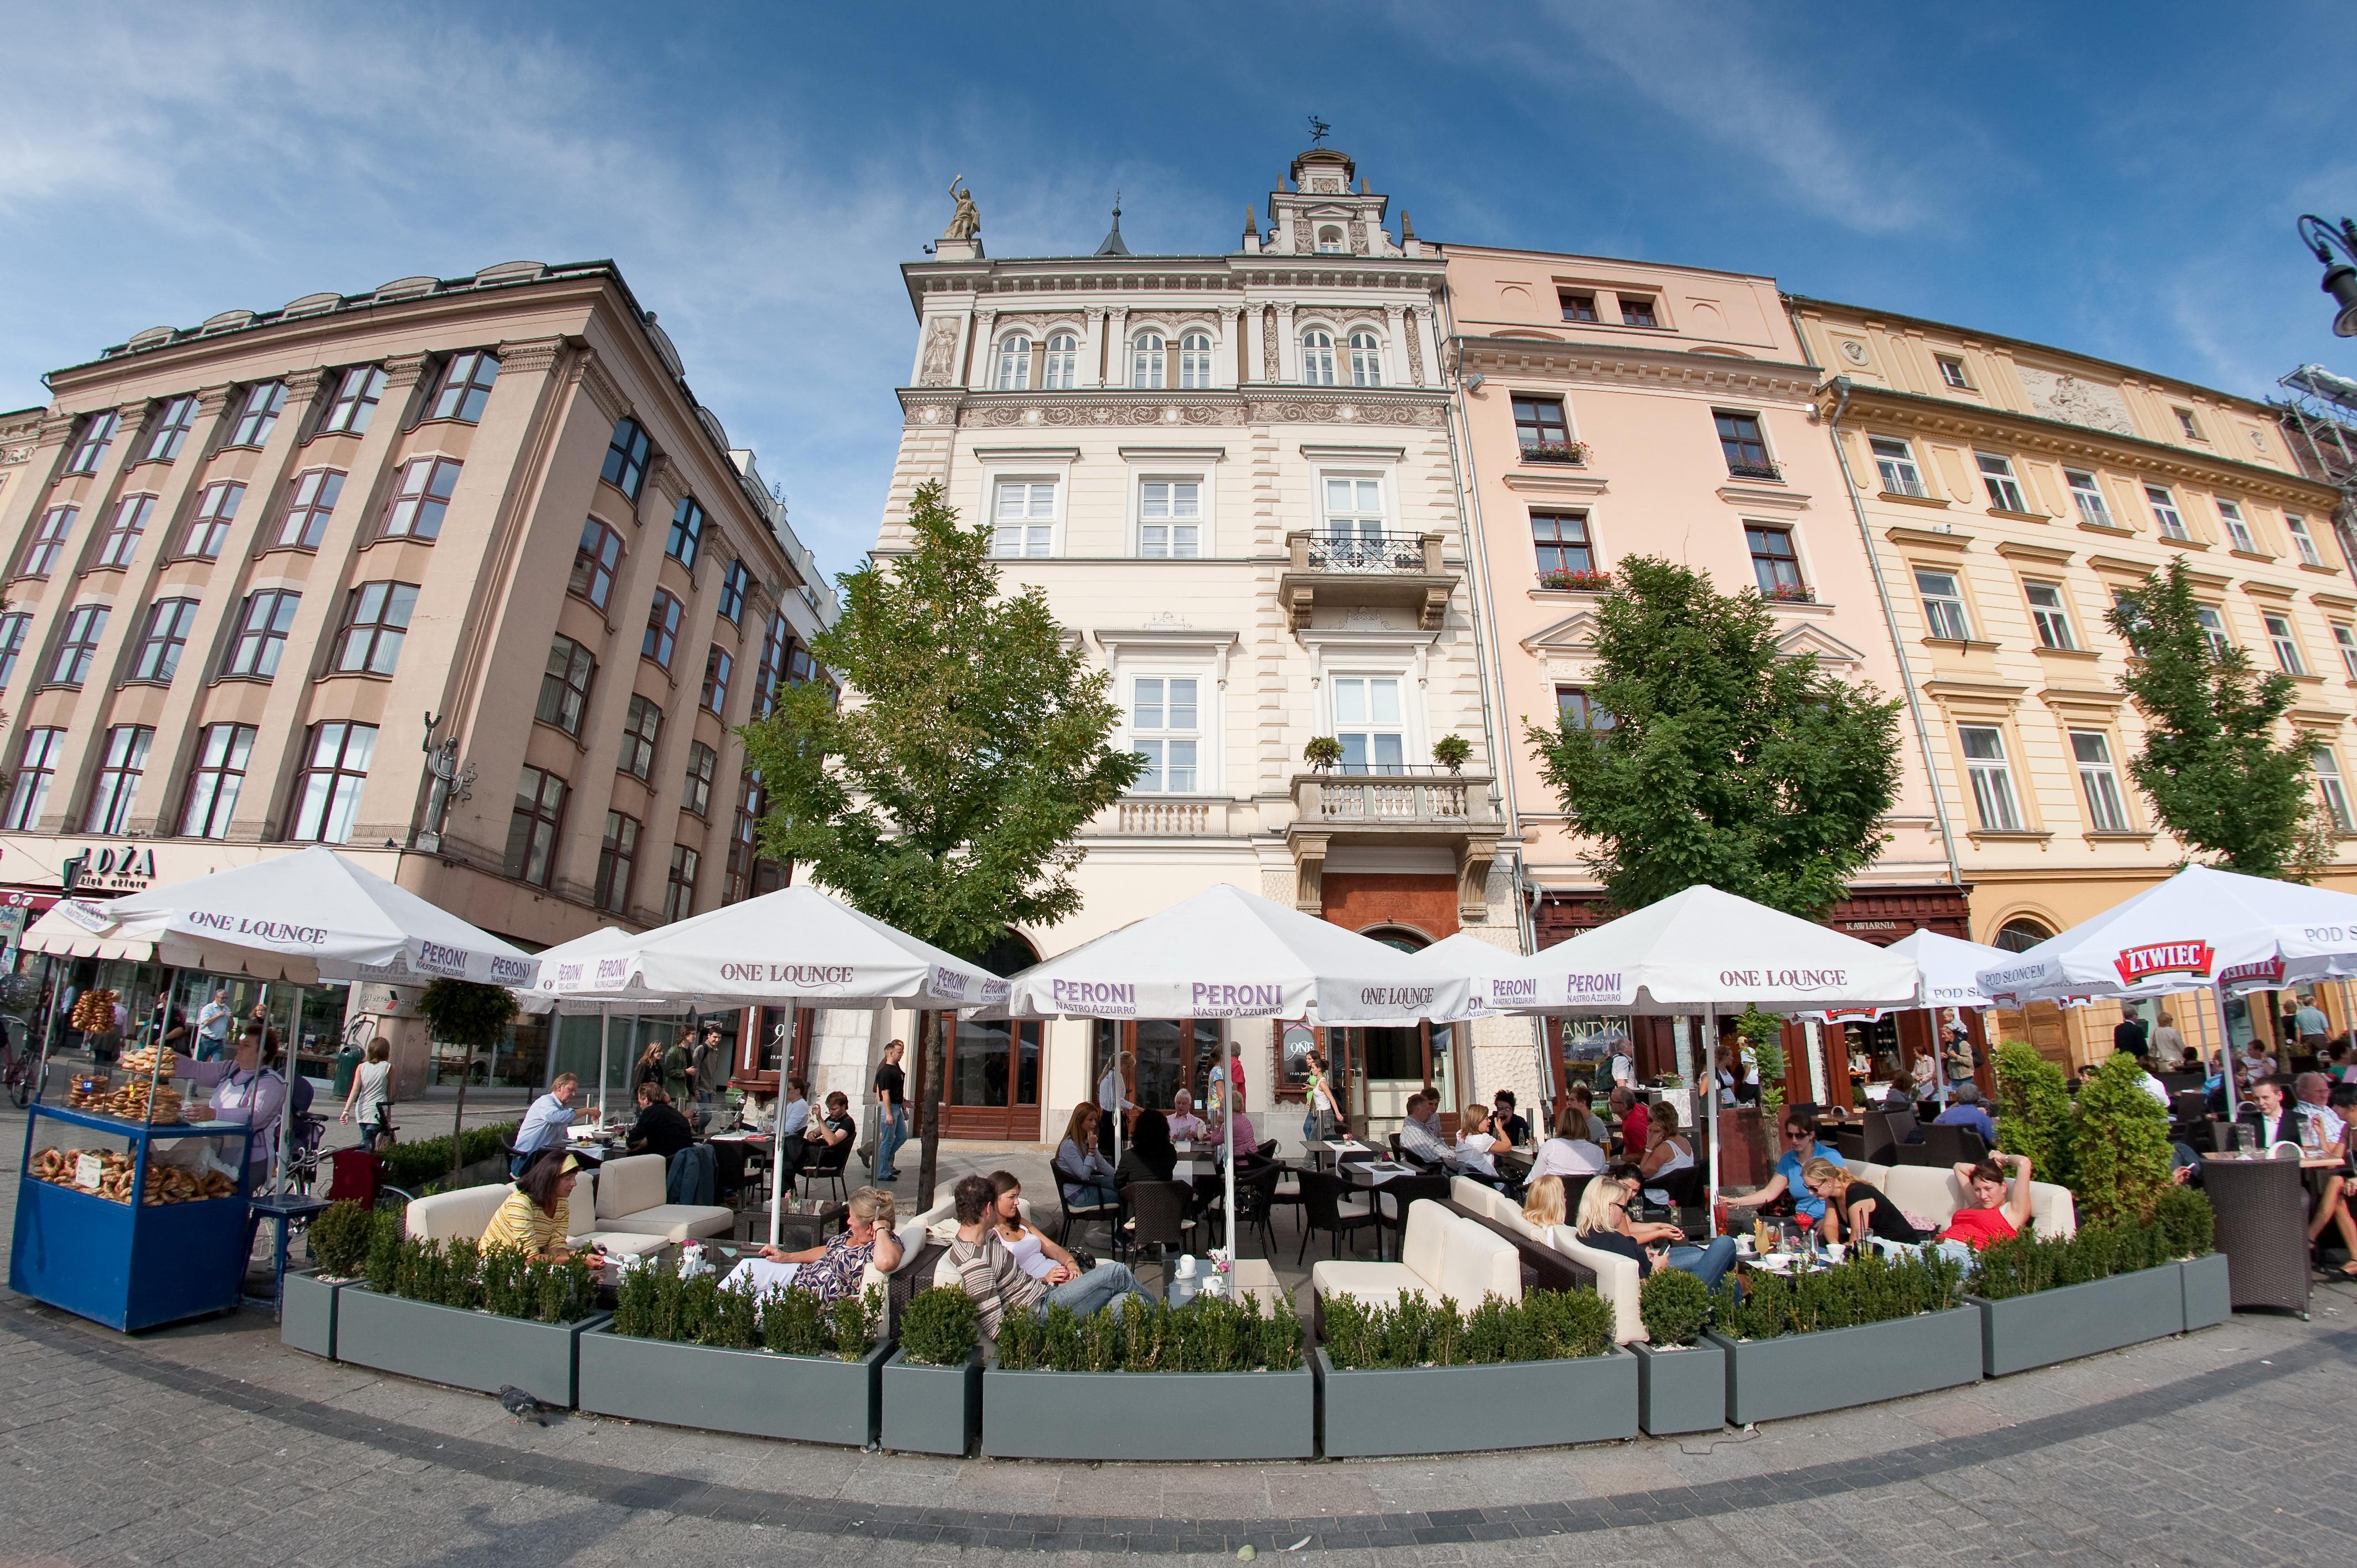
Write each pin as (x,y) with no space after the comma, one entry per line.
(533,1216)
(1082,1172)
(1670,1152)
(1604,1224)
(1149,1157)
(1480,1142)
(660,1129)
(1033,1252)
(834,1270)
(1571,1151)
(2003,1209)
(1856,1209)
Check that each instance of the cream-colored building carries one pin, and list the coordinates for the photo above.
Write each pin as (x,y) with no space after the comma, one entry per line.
(267,573)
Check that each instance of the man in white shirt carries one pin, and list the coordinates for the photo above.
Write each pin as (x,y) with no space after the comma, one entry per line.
(2313,1089)
(2274,1122)
(1420,1134)
(1185,1125)
(212,1027)
(794,1115)
(548,1125)
(1624,1063)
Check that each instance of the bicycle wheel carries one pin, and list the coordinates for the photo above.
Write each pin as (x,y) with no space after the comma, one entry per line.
(20,1081)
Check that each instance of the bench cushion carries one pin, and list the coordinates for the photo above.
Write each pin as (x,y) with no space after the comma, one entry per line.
(630,1183)
(673,1222)
(1421,1248)
(1616,1282)
(1372,1284)
(447,1216)
(1476,1263)
(1480,1196)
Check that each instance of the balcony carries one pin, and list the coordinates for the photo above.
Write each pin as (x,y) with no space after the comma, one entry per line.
(1351,570)
(1414,806)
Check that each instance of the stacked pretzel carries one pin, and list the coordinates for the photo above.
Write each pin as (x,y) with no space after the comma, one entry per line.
(166,1184)
(93,1012)
(142,1063)
(130,1101)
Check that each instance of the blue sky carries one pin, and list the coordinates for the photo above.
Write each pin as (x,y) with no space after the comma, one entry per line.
(2113,178)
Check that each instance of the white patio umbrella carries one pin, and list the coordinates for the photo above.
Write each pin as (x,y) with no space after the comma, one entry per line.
(1951,970)
(567,956)
(1459,957)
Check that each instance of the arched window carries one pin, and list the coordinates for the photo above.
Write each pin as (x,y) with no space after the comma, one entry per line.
(1145,359)
(1195,360)
(1366,359)
(1317,357)
(2021,935)
(1014,363)
(1063,369)
(1329,242)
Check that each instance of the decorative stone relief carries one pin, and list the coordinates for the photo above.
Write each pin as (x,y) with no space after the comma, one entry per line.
(1067,414)
(1415,351)
(1268,366)
(1292,412)
(1358,238)
(940,354)
(1169,620)
(533,356)
(2067,398)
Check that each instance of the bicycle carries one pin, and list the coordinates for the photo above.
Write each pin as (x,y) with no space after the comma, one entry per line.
(301,1162)
(20,1064)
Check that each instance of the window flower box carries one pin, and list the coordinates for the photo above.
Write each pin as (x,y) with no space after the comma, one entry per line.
(1680,1388)
(1791,594)
(757,1394)
(463,1349)
(1802,1374)
(1570,453)
(2070,1321)
(1578,582)
(1457,1410)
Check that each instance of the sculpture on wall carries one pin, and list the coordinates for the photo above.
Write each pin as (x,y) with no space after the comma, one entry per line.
(941,353)
(966,222)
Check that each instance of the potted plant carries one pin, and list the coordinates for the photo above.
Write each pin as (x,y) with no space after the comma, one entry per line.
(2189,1232)
(933,1383)
(2044,1300)
(340,1239)
(1216,1378)
(1681,1377)
(1791,594)
(1564,580)
(688,1351)
(1533,1373)
(462,1013)
(1450,751)
(1322,752)
(447,1312)
(1572,452)
(1864,1330)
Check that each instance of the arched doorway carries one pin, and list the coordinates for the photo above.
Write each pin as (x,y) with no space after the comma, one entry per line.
(2021,933)
(1378,1068)
(991,1081)
(2039,1022)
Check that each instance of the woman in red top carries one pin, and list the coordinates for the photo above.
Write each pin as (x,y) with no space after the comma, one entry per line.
(2003,1209)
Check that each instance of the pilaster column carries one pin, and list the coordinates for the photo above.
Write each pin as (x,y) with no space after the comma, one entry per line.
(1395,320)
(1092,347)
(1224,358)
(1289,352)
(1117,345)
(985,351)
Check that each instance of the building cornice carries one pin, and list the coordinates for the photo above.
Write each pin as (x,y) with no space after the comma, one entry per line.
(1624,365)
(1111,408)
(1085,278)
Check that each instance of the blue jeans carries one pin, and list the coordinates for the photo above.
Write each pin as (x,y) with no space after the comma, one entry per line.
(889,1139)
(1708,1264)
(210,1049)
(1101,1287)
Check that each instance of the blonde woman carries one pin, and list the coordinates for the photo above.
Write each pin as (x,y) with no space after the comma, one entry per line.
(1478,1142)
(834,1270)
(1604,1224)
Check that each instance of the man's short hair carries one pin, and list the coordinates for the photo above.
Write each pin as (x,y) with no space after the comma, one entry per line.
(800,1085)
(838,1100)
(1507,1095)
(1416,1102)
(562,1079)
(972,1196)
(2307,1078)
(1967,1094)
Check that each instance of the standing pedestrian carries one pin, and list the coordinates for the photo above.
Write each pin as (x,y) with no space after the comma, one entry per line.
(679,1067)
(710,1072)
(891,1111)
(212,1027)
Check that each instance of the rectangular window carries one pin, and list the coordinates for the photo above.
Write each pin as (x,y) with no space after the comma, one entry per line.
(170,621)
(465,388)
(1576,307)
(1369,721)
(354,404)
(593,563)
(214,784)
(1540,426)
(717,667)
(2238,533)
(36,767)
(1992,779)
(2302,541)
(217,507)
(2165,512)
(2213,628)
(2185,423)
(1576,709)
(616,856)
(626,458)
(662,630)
(327,792)
(13,628)
(376,620)
(420,495)
(733,584)
(2088,497)
(565,685)
(745,864)
(1635,312)
(1952,372)
(85,624)
(48,542)
(259,417)
(118,771)
(2107,808)
(1895,461)
(1775,564)
(1170,520)
(173,421)
(97,434)
(1746,447)
(2329,786)
(776,645)
(2004,490)
(1560,539)
(532,826)
(1025,520)
(2049,613)
(640,729)
(702,763)
(679,892)
(686,532)
(261,632)
(122,540)
(2287,645)
(2342,637)
(1165,728)
(1944,607)
(1354,521)
(310,502)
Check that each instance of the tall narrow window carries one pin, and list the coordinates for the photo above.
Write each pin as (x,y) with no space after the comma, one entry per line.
(2088,497)
(420,495)
(1895,461)
(217,507)
(776,645)
(1952,372)
(1944,607)
(47,542)
(679,890)
(1775,563)
(2238,533)
(261,632)
(662,630)
(1014,363)
(626,458)
(2329,786)
(1560,539)
(78,645)
(2213,628)
(13,628)
(310,504)
(37,768)
(1540,427)
(702,763)
(532,826)
(717,667)
(640,729)
(2302,541)
(1170,520)
(2049,614)
(119,768)
(2107,808)
(2285,643)
(170,621)
(1063,363)
(1998,476)
(593,563)
(2185,423)
(616,857)
(1195,360)
(1369,721)
(465,388)
(745,866)
(376,620)
(1746,449)
(1366,359)
(565,685)
(328,790)
(1637,312)
(1992,779)
(258,416)
(1577,708)
(1164,728)
(1145,360)
(122,540)
(173,421)
(2165,512)
(2342,638)
(217,778)
(357,391)
(1024,523)
(686,538)
(97,434)
(733,581)
(1317,357)
(1354,522)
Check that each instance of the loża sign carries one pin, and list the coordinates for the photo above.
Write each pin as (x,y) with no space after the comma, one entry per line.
(108,868)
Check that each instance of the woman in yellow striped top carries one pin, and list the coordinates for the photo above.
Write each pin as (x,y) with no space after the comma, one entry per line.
(532,1217)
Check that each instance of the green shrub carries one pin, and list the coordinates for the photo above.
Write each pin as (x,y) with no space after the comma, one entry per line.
(1676,1306)
(384,1253)
(501,1280)
(652,1301)
(1764,1033)
(1544,1326)
(2033,1107)
(340,1238)
(1864,1288)
(413,1167)
(1209,1334)
(2188,1228)
(941,1328)
(2027,1264)
(2119,1145)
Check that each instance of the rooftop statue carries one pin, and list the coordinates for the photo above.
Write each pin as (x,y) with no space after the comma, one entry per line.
(966,222)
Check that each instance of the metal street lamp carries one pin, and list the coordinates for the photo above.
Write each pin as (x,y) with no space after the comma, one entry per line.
(2341,276)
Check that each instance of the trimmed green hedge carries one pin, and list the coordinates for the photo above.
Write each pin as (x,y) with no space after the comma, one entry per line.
(1674,1306)
(941,1328)
(1864,1288)
(504,1281)
(2027,1262)
(415,1168)
(653,1303)
(1544,1326)
(1209,1334)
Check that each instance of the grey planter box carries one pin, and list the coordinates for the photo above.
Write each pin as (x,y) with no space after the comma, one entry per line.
(2071,1321)
(2208,1300)
(1149,1415)
(812,1399)
(465,1350)
(307,1313)
(1800,1374)
(1460,1410)
(931,1410)
(1681,1390)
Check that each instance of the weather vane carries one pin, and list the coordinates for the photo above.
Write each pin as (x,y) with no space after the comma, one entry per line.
(1318,129)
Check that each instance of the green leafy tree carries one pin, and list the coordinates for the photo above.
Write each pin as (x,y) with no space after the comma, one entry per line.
(2119,1145)
(2034,1115)
(944,797)
(461,1013)
(1764,1033)
(1727,762)
(2218,776)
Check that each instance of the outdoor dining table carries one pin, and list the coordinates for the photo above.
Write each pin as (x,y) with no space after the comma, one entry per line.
(2262,1227)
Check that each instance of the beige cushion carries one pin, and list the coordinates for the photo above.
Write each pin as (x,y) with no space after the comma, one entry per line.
(2053,1207)
(444,1215)
(1927,1192)
(1471,1194)
(1511,1218)
(1616,1281)
(1476,1263)
(1374,1284)
(1870,1174)
(673,1222)
(622,1243)
(1420,1249)
(630,1183)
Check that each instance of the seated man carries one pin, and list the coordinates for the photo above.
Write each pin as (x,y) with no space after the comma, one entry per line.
(660,1129)
(1966,1110)
(547,1125)
(999,1285)
(1185,1125)
(819,1135)
(1420,1138)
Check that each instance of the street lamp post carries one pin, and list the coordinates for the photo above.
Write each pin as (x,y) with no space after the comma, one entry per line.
(2341,275)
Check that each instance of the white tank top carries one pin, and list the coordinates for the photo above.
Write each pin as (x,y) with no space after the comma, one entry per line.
(1028,1253)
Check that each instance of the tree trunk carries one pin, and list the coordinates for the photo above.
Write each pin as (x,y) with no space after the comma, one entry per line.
(930,1066)
(458,1125)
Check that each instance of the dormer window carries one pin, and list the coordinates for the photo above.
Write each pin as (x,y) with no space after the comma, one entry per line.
(1317,357)
(1146,360)
(1014,363)
(1329,242)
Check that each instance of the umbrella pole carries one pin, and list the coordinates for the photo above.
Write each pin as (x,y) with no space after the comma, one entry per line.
(1709,1056)
(2225,1051)
(286,1097)
(49,1023)
(777,1162)
(1227,1138)
(605,1045)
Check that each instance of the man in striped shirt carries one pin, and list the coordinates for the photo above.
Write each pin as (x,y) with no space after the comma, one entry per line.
(998,1287)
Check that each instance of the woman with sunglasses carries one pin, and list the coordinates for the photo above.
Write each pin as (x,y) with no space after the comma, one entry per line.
(1604,1224)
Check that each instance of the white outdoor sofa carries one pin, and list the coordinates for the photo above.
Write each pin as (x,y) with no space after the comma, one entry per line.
(1441,1254)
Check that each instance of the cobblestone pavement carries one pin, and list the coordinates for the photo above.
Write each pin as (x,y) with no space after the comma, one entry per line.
(211,1444)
